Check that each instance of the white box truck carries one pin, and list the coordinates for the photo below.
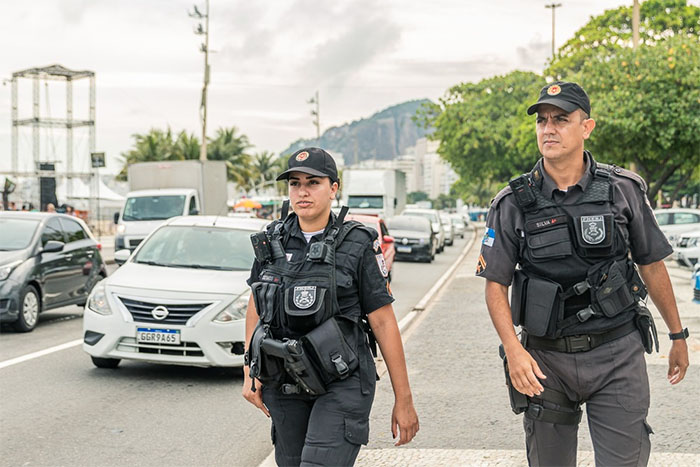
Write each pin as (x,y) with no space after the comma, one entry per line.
(165,189)
(379,192)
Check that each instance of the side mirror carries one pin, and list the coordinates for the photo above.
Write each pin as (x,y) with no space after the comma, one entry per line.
(116,217)
(388,239)
(121,256)
(53,246)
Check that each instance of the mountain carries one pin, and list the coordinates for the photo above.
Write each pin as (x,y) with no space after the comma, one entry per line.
(382,136)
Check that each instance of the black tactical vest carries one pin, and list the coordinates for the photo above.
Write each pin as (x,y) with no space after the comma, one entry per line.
(574,261)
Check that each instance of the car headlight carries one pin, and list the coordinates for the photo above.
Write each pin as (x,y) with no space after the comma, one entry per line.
(235,311)
(421,241)
(97,301)
(6,269)
(121,228)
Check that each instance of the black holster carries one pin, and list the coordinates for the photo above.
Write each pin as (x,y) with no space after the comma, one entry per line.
(647,329)
(518,400)
(297,363)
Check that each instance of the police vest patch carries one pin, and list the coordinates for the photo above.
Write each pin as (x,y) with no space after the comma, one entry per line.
(592,229)
(382,264)
(304,296)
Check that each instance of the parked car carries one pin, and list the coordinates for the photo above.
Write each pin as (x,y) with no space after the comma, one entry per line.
(414,237)
(386,241)
(676,221)
(687,249)
(180,298)
(449,228)
(434,217)
(47,261)
(459,224)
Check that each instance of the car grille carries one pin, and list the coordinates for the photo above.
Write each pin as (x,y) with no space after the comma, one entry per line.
(135,243)
(408,241)
(185,349)
(177,313)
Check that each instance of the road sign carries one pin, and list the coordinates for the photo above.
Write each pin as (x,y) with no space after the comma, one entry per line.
(98,159)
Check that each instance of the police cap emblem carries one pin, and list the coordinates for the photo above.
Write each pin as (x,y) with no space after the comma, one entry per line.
(554,90)
(302,156)
(304,296)
(592,229)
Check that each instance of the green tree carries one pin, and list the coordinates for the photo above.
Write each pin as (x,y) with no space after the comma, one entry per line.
(415,196)
(156,145)
(232,147)
(265,166)
(186,146)
(480,126)
(611,32)
(647,103)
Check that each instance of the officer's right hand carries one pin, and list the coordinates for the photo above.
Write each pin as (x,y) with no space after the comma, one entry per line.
(254,398)
(524,371)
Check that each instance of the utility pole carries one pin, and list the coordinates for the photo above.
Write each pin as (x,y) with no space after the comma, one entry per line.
(203,31)
(553,6)
(315,113)
(635,24)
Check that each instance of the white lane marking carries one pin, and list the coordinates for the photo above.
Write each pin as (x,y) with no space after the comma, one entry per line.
(40,353)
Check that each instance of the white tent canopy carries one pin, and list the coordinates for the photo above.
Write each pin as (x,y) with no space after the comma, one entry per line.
(82,193)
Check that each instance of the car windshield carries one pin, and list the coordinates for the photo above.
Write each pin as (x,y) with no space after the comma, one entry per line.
(151,208)
(364,202)
(431,216)
(16,234)
(198,247)
(408,223)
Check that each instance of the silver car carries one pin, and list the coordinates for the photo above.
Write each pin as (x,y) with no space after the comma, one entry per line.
(433,215)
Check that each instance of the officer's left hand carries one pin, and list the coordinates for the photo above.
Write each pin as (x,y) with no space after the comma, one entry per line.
(677,361)
(404,421)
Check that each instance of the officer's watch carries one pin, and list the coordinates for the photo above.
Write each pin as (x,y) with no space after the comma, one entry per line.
(679,335)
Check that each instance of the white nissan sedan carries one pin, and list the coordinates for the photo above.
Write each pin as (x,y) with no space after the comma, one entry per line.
(180,298)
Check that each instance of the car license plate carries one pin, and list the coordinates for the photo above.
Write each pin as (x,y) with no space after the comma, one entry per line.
(403,249)
(158,336)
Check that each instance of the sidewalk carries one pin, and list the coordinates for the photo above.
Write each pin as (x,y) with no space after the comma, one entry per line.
(459,392)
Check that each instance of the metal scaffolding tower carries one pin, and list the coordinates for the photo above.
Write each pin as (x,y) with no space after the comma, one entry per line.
(56,73)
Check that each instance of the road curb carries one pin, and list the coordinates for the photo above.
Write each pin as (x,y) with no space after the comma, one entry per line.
(407,320)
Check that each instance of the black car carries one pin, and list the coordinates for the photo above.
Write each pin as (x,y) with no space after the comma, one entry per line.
(47,261)
(414,238)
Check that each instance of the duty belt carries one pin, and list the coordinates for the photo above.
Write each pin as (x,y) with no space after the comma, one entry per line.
(579,343)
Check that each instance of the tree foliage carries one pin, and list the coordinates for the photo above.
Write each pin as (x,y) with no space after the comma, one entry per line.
(647,103)
(605,35)
(480,126)
(231,147)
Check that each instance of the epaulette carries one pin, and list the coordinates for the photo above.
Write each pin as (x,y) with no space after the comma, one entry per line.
(630,175)
(501,194)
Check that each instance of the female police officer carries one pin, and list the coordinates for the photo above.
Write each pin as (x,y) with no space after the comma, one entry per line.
(310,294)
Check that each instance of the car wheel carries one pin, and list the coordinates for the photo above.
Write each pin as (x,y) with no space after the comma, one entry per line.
(105,362)
(29,308)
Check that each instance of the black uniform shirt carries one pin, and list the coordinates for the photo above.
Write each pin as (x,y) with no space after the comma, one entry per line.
(362,284)
(500,249)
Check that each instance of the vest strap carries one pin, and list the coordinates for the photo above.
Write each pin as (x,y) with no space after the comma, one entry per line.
(285,210)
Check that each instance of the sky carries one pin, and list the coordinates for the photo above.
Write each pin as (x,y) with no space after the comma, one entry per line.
(269,58)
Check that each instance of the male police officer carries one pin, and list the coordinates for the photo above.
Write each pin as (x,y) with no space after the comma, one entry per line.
(576,227)
(321,277)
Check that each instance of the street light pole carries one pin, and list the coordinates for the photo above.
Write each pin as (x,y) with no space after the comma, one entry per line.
(315,113)
(635,24)
(204,48)
(553,6)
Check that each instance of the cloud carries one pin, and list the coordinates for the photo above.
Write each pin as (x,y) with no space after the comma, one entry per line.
(535,53)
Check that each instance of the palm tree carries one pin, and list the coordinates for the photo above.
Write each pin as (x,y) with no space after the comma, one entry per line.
(230,147)
(186,146)
(156,145)
(264,168)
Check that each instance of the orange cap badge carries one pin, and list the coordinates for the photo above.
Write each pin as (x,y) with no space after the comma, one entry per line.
(554,90)
(302,156)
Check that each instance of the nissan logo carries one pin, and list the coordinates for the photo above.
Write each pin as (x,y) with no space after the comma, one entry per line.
(160,312)
(404,241)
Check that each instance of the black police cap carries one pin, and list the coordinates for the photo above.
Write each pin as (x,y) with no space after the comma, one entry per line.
(566,96)
(312,161)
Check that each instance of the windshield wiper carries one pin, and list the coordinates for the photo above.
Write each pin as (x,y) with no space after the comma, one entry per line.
(153,263)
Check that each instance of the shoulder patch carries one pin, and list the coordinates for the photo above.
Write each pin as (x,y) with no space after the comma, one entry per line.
(628,174)
(501,194)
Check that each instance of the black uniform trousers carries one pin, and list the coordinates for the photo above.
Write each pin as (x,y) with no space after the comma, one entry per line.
(612,381)
(320,430)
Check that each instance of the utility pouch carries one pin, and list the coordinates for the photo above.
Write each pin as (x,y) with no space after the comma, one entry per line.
(266,368)
(329,348)
(612,294)
(548,238)
(518,400)
(647,329)
(518,294)
(542,306)
(266,296)
(306,307)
